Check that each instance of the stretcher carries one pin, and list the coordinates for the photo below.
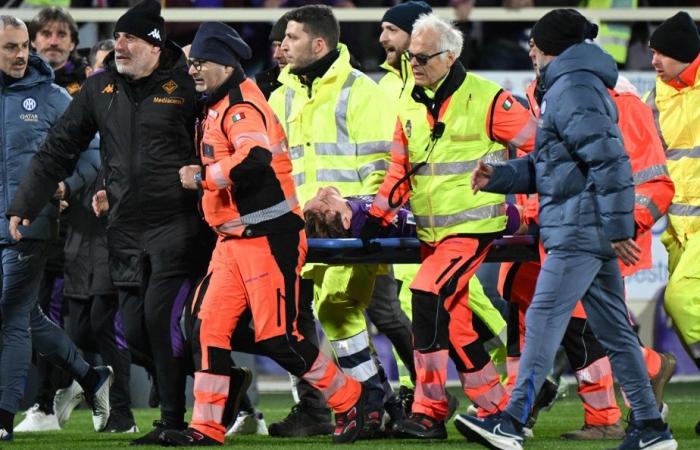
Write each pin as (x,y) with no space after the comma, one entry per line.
(407,251)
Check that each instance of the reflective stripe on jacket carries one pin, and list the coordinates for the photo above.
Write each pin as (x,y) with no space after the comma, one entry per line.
(339,133)
(677,114)
(440,195)
(248,186)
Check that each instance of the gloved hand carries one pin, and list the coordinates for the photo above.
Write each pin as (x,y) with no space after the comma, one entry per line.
(372,229)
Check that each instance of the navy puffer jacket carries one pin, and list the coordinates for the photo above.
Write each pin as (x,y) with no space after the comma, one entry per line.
(29,107)
(579,168)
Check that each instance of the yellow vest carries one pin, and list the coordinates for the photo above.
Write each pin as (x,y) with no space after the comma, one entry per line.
(678,119)
(340,135)
(441,197)
(614,37)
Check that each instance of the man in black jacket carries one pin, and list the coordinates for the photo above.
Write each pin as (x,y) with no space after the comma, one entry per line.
(143,106)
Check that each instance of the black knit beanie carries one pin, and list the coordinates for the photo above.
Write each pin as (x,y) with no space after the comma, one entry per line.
(677,38)
(405,14)
(219,43)
(143,20)
(559,29)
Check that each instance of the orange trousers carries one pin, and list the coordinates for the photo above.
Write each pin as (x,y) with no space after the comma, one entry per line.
(442,328)
(257,278)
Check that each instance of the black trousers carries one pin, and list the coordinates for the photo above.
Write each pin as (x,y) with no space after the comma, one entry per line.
(96,323)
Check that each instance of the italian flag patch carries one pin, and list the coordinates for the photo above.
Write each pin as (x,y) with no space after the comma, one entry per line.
(508,103)
(236,117)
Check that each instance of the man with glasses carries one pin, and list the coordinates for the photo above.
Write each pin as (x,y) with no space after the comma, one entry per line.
(453,120)
(143,106)
(250,201)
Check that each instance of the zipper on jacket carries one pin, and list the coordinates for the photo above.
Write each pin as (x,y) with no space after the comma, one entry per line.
(5,185)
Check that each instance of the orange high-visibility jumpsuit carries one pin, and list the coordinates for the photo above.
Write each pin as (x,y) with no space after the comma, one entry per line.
(250,201)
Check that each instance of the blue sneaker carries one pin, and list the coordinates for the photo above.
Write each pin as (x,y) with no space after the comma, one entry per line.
(495,432)
(647,438)
(5,436)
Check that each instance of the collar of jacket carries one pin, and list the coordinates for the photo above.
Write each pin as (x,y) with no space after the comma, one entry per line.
(316,69)
(687,77)
(338,70)
(37,71)
(236,78)
(454,79)
(404,72)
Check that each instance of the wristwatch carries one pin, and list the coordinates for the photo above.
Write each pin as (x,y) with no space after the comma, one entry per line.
(198,179)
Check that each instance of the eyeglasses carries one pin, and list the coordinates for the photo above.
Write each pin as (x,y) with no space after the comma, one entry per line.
(422,58)
(196,63)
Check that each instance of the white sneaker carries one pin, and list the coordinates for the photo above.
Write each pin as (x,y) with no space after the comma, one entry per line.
(247,423)
(37,420)
(66,400)
(99,400)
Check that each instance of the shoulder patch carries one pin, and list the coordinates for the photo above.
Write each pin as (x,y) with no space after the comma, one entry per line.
(237,117)
(507,103)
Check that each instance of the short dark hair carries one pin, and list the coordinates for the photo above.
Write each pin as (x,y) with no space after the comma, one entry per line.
(11,21)
(103,45)
(53,14)
(318,21)
(320,225)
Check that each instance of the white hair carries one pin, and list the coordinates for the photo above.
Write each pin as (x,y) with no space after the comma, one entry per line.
(450,39)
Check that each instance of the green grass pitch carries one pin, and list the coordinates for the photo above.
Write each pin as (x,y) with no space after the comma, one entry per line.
(682,398)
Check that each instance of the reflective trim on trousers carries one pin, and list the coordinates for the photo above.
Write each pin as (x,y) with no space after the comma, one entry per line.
(484,387)
(598,377)
(318,376)
(351,345)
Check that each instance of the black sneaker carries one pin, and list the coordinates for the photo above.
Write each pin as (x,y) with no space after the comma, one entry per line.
(420,426)
(120,423)
(406,396)
(303,420)
(395,410)
(372,428)
(350,423)
(152,437)
(452,406)
(186,438)
(543,402)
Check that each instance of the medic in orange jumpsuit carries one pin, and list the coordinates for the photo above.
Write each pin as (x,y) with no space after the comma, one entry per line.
(653,194)
(250,201)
